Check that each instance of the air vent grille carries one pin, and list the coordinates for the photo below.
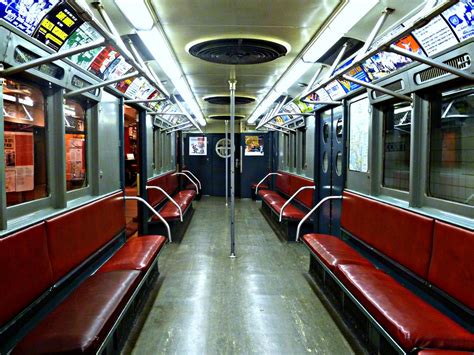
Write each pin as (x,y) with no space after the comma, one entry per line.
(225,100)
(238,51)
(395,86)
(460,62)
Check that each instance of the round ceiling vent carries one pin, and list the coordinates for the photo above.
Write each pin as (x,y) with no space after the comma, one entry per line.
(225,117)
(225,100)
(238,50)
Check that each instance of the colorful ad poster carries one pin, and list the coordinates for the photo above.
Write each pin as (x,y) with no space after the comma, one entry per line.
(460,18)
(289,108)
(75,157)
(197,145)
(84,34)
(19,161)
(102,61)
(25,15)
(335,90)
(384,63)
(254,146)
(56,27)
(119,67)
(356,72)
(436,36)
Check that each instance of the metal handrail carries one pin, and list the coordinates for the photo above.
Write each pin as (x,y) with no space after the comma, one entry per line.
(269,174)
(312,211)
(169,198)
(293,196)
(194,176)
(178,173)
(136,198)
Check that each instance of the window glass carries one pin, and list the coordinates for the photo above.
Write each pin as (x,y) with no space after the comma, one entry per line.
(396,158)
(24,142)
(295,150)
(76,144)
(359,120)
(452,147)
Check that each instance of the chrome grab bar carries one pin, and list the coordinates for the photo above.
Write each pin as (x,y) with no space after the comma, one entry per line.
(194,176)
(293,196)
(269,174)
(312,211)
(197,190)
(136,198)
(169,198)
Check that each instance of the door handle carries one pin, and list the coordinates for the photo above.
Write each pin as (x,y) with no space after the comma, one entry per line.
(241,160)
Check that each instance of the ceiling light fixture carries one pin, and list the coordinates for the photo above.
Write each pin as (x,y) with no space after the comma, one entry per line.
(349,15)
(156,42)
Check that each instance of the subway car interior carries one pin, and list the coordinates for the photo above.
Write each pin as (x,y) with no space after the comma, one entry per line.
(237,177)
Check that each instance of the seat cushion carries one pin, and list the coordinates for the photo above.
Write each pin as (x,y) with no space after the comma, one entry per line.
(408,319)
(183,199)
(81,323)
(263,193)
(443,352)
(261,186)
(290,211)
(138,253)
(332,251)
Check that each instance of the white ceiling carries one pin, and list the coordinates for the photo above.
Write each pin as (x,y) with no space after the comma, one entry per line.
(294,22)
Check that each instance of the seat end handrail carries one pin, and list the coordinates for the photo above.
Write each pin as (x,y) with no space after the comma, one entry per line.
(312,211)
(136,198)
(312,187)
(187,176)
(194,176)
(148,187)
(266,176)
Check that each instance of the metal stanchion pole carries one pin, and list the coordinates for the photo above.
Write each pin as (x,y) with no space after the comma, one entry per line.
(232,84)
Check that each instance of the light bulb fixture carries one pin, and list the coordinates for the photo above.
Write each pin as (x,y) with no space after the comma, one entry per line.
(137,13)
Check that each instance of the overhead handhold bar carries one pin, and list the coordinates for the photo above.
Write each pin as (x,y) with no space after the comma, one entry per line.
(101,84)
(377,88)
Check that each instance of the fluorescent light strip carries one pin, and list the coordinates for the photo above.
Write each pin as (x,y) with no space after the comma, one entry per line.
(137,13)
(352,12)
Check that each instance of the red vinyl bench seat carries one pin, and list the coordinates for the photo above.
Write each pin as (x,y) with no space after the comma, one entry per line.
(138,253)
(433,252)
(81,323)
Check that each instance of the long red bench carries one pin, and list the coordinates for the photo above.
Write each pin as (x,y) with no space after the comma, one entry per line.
(434,253)
(42,263)
(285,217)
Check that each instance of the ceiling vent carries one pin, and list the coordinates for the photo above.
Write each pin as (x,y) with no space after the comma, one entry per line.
(225,117)
(238,51)
(225,100)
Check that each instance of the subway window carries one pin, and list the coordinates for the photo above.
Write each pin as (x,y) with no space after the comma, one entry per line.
(396,146)
(24,142)
(451,159)
(359,123)
(76,144)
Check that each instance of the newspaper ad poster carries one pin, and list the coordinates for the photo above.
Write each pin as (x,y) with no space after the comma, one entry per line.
(84,34)
(19,161)
(75,156)
(197,145)
(254,146)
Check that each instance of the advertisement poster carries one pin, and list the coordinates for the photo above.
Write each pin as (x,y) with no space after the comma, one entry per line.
(84,34)
(335,90)
(384,63)
(25,14)
(57,26)
(359,136)
(75,156)
(254,146)
(436,36)
(197,145)
(102,61)
(289,108)
(139,88)
(410,44)
(460,18)
(19,161)
(356,72)
(119,67)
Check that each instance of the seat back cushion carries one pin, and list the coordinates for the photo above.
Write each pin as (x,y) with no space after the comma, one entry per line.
(283,183)
(452,262)
(305,197)
(25,270)
(173,183)
(156,196)
(77,234)
(403,236)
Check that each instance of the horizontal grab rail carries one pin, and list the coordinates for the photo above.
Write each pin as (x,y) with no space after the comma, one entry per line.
(169,198)
(136,198)
(194,176)
(312,211)
(292,197)
(195,185)
(269,174)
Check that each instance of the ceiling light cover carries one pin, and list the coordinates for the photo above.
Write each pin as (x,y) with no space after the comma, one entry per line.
(137,13)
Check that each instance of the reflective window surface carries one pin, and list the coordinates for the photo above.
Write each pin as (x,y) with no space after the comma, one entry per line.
(396,146)
(24,142)
(76,145)
(451,175)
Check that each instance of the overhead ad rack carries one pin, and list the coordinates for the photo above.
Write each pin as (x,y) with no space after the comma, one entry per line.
(71,32)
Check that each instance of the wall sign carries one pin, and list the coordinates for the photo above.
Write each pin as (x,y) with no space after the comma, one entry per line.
(197,145)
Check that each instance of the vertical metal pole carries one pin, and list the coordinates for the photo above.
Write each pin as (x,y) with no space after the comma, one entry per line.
(142,143)
(232,84)
(226,165)
(121,127)
(3,194)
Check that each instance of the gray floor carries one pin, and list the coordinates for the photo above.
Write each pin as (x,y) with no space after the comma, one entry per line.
(261,302)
